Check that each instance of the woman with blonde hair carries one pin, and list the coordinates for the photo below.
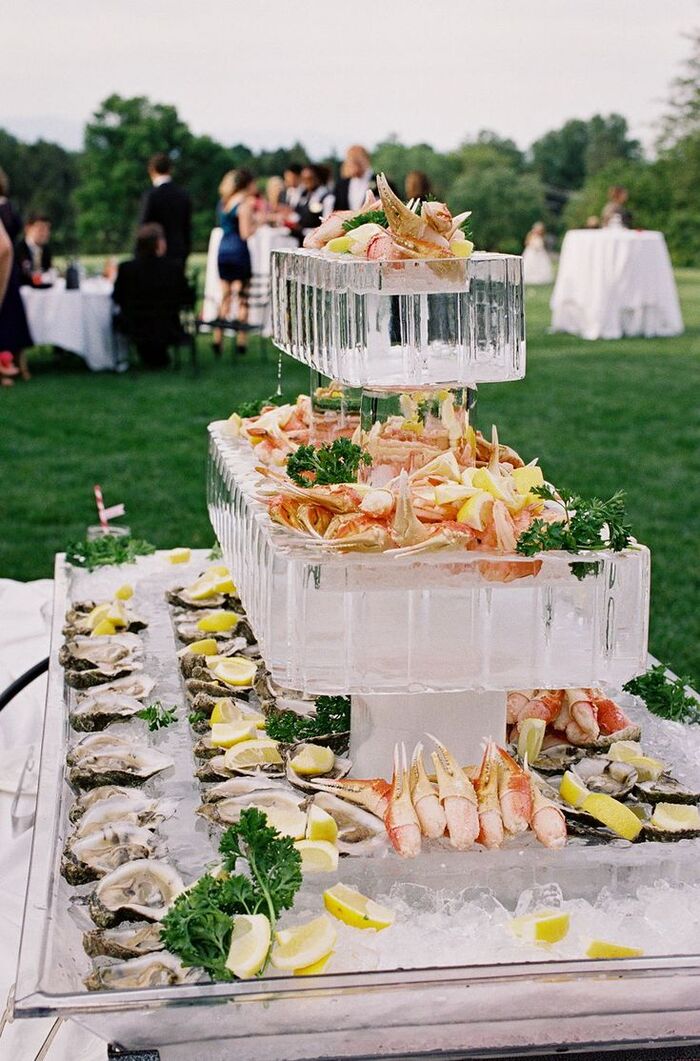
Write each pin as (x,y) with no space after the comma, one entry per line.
(235,216)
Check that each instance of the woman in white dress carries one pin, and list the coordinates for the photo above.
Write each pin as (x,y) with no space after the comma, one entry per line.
(537,266)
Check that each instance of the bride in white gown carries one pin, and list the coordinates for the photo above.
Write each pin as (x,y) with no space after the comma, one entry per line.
(537,265)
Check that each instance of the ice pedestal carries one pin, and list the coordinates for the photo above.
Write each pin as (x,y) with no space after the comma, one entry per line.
(460,720)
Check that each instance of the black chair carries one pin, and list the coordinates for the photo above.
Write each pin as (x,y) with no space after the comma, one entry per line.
(172,323)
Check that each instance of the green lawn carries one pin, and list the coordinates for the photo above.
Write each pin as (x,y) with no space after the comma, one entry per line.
(600,415)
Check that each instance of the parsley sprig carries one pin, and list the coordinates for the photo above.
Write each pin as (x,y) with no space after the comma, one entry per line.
(336,462)
(665,696)
(108,550)
(198,927)
(157,716)
(370,217)
(588,523)
(331,715)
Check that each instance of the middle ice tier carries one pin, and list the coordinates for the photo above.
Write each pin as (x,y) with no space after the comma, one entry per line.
(434,621)
(401,324)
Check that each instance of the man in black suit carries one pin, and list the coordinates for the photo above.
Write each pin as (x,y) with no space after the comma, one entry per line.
(356,180)
(167,205)
(33,253)
(150,290)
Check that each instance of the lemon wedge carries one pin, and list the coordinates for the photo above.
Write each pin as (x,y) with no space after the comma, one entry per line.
(648,769)
(339,245)
(217,571)
(599,948)
(226,734)
(675,817)
(202,589)
(313,759)
(473,511)
(300,947)
(225,585)
(206,646)
(612,813)
(124,592)
(98,613)
(544,926)
(320,825)
(180,556)
(218,622)
(355,909)
(573,790)
(468,475)
(226,710)
(315,967)
(288,821)
(250,943)
(621,751)
(104,627)
(317,856)
(486,480)
(116,614)
(250,753)
(235,671)
(453,493)
(462,248)
(527,477)
(530,738)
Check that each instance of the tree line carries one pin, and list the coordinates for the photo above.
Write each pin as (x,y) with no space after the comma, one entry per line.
(93,195)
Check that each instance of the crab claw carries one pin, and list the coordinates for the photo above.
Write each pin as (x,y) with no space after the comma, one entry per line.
(425,798)
(401,820)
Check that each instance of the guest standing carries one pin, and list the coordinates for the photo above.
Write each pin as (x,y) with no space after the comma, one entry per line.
(169,206)
(417,185)
(235,215)
(14,331)
(316,200)
(537,266)
(357,179)
(33,253)
(292,184)
(7,367)
(615,211)
(150,290)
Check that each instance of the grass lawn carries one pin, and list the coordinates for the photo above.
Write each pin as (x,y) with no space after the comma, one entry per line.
(600,415)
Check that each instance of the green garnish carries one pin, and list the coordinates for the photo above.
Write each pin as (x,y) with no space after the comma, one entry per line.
(197,716)
(370,217)
(588,524)
(332,715)
(255,407)
(108,550)
(199,924)
(466,228)
(336,462)
(216,552)
(665,696)
(157,716)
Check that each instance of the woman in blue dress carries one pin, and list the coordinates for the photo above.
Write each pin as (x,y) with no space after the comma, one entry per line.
(235,216)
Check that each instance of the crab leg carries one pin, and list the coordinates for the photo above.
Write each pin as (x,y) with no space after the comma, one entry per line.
(401,820)
(490,819)
(548,823)
(425,798)
(514,794)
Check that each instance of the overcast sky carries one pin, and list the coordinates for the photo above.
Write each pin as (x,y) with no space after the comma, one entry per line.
(332,72)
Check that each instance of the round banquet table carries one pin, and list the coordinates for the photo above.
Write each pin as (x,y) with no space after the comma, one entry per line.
(261,244)
(615,282)
(79,321)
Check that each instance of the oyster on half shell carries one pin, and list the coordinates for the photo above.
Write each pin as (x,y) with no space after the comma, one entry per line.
(111,653)
(341,767)
(87,858)
(215,769)
(227,811)
(359,832)
(125,941)
(101,708)
(605,775)
(95,795)
(188,630)
(141,810)
(140,890)
(137,685)
(77,619)
(103,759)
(149,970)
(180,598)
(243,786)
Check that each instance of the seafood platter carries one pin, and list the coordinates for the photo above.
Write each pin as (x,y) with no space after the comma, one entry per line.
(369,785)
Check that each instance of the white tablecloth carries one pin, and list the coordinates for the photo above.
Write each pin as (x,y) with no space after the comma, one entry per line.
(614,282)
(260,245)
(79,321)
(25,614)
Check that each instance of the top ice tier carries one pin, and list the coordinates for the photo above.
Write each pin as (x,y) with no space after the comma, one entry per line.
(401,324)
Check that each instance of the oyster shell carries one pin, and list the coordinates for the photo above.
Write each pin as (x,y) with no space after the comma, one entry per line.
(125,941)
(137,685)
(149,970)
(215,769)
(142,810)
(204,681)
(359,832)
(144,889)
(270,694)
(604,775)
(88,799)
(100,709)
(180,598)
(104,759)
(665,790)
(110,653)
(87,858)
(242,786)
(227,811)
(605,740)
(205,705)
(557,758)
(188,630)
(77,619)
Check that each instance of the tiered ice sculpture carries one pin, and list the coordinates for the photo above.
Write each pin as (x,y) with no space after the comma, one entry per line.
(430,640)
